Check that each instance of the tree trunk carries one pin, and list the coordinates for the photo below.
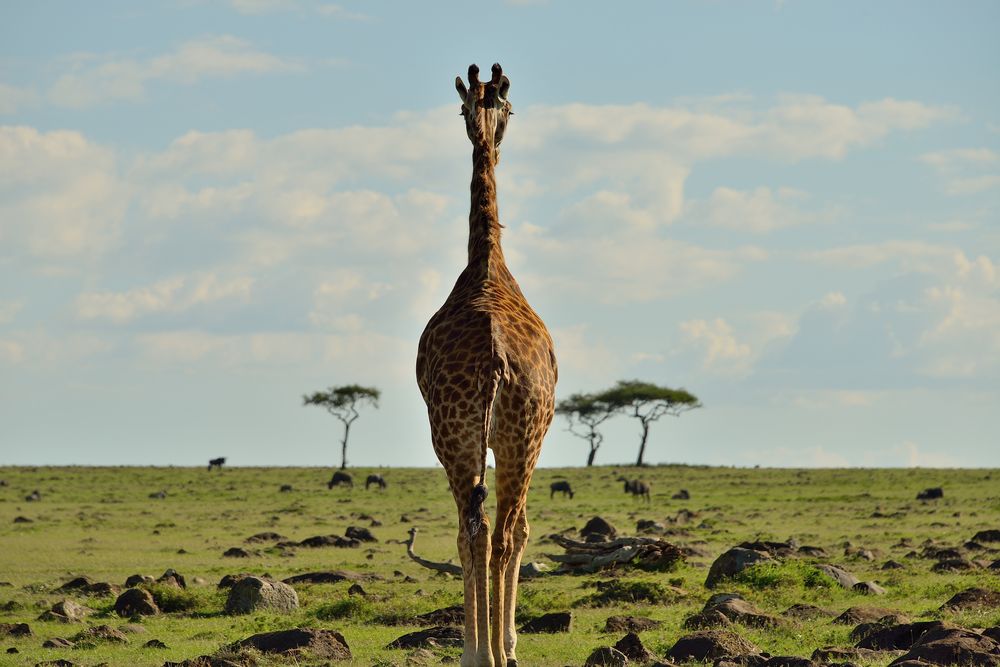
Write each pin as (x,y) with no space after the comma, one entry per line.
(642,443)
(343,447)
(590,458)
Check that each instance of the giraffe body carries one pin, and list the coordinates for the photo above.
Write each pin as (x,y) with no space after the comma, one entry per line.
(487,371)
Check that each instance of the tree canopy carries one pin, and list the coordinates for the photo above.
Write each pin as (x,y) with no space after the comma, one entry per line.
(343,403)
(647,402)
(585,412)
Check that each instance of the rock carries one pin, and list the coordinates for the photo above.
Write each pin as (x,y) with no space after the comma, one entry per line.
(360,534)
(158,495)
(738,610)
(61,662)
(445,616)
(892,565)
(598,526)
(66,611)
(855,615)
(34,496)
(681,495)
(844,578)
(606,656)
(710,644)
(356,589)
(102,589)
(732,563)
(865,629)
(616,624)
(58,642)
(773,549)
(329,541)
(431,637)
(992,535)
(76,584)
(286,488)
(841,655)
(868,588)
(954,565)
(138,580)
(554,622)
(704,620)
(205,661)
(172,577)
(136,602)
(311,641)
(971,598)
(101,633)
(649,526)
(807,612)
(266,536)
(898,636)
(330,577)
(813,552)
(236,552)
(154,643)
(952,646)
(15,630)
(254,593)
(789,661)
(23,519)
(931,494)
(631,646)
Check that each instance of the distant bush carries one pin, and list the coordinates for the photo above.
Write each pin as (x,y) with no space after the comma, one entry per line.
(355,607)
(795,574)
(172,599)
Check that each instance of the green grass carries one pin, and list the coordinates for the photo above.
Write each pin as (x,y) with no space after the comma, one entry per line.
(101,522)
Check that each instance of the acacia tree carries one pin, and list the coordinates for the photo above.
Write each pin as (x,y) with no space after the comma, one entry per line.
(648,402)
(343,403)
(586,411)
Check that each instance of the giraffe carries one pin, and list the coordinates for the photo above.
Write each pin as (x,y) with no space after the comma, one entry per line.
(487,371)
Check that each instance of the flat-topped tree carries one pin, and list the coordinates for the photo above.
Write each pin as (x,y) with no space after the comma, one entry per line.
(343,403)
(585,412)
(647,402)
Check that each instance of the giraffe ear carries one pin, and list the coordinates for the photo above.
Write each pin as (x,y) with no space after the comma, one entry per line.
(463,92)
(504,88)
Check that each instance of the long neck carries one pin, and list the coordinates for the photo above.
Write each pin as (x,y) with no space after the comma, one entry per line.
(484,219)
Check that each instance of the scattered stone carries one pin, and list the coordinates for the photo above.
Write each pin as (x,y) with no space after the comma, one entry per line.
(286,488)
(732,563)
(631,646)
(229,580)
(12,650)
(34,496)
(606,656)
(76,584)
(329,541)
(101,633)
(807,612)
(931,494)
(172,578)
(865,629)
(254,593)
(454,615)
(330,577)
(23,519)
(561,621)
(709,645)
(312,641)
(855,615)
(892,565)
(430,638)
(971,598)
(60,662)
(813,552)
(736,609)
(154,643)
(356,589)
(598,526)
(138,580)
(649,526)
(704,620)
(58,642)
(15,630)
(681,495)
(954,565)
(136,602)
(267,536)
(205,661)
(158,495)
(839,655)
(360,534)
(66,611)
(992,535)
(773,549)
(236,552)
(868,588)
(616,624)
(844,578)
(952,646)
(898,636)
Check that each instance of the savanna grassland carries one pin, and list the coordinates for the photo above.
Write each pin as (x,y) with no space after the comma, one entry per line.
(102,523)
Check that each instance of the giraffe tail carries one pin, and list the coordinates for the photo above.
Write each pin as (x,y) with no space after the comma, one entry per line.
(476,514)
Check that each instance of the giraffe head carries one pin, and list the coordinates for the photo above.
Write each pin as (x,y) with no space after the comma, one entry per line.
(485,107)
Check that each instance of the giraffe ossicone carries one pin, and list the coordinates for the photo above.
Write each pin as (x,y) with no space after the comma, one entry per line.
(486,368)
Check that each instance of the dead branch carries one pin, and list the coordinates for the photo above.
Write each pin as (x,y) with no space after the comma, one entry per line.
(527,570)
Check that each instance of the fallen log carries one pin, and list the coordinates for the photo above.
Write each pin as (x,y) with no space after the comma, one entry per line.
(647,553)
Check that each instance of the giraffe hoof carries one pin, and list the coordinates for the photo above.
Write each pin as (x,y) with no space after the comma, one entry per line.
(511,662)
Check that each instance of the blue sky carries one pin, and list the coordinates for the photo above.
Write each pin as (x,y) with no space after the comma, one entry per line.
(208,209)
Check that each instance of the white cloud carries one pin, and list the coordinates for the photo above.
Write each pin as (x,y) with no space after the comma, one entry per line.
(912,457)
(96,80)
(958,167)
(721,352)
(909,255)
(14,99)
(328,9)
(760,210)
(832,300)
(171,295)
(9,310)
(846,398)
(61,194)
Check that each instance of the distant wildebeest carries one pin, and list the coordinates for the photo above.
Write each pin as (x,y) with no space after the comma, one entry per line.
(931,494)
(216,463)
(636,487)
(34,496)
(340,477)
(562,486)
(375,479)
(682,495)
(286,488)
